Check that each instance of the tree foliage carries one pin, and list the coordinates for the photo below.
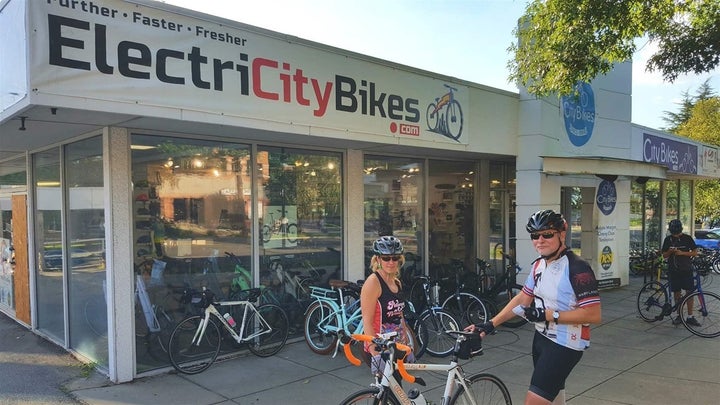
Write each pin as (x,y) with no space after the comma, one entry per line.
(563,42)
(676,119)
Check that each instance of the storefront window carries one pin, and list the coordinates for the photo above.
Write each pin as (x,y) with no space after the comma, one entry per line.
(300,213)
(86,238)
(653,205)
(48,242)
(451,221)
(685,205)
(13,180)
(192,217)
(393,205)
(637,217)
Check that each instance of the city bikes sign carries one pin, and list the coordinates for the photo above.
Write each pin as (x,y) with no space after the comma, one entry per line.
(677,156)
(115,51)
(578,111)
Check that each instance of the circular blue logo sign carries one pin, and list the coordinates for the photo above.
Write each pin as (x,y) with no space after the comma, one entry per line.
(606,197)
(579,114)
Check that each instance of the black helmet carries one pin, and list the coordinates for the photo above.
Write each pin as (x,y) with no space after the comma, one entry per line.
(675,227)
(544,220)
(388,245)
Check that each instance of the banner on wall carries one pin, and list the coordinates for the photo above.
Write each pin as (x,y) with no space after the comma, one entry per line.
(606,201)
(118,51)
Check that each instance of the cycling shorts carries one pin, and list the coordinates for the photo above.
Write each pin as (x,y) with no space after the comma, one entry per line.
(553,364)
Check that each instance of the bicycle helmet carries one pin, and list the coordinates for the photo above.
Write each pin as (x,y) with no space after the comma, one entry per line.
(675,227)
(544,220)
(388,245)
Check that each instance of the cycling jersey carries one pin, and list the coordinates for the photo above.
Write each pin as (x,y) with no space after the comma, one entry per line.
(565,284)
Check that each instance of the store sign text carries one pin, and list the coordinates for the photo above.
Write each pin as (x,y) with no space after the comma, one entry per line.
(136,60)
(676,156)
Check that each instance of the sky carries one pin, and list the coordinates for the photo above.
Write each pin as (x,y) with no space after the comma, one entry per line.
(466,39)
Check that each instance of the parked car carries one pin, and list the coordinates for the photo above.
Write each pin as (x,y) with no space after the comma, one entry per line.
(708,238)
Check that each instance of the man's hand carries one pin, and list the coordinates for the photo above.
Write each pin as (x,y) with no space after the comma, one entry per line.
(535,314)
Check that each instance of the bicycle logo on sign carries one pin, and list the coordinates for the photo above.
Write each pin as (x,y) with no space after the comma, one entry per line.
(444,116)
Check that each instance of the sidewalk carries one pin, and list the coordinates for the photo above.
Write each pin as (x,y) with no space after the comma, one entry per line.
(629,362)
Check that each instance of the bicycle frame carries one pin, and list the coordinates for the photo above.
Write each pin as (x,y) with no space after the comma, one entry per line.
(339,312)
(238,336)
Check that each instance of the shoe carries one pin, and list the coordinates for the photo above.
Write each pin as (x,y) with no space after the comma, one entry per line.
(692,321)
(677,320)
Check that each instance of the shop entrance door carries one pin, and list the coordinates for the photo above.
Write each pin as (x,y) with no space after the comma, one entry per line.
(577,205)
(14,269)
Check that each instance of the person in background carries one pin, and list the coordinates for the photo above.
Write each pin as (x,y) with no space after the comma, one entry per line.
(678,249)
(381,300)
(561,298)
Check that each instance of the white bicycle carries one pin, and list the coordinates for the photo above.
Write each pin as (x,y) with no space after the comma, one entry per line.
(477,389)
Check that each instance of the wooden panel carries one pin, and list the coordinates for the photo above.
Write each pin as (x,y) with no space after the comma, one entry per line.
(22,272)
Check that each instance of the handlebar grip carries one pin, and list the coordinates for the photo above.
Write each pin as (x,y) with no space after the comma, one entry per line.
(349,355)
(403,372)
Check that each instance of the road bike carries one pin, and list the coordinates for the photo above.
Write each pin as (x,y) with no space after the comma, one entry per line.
(477,389)
(195,342)
(445,115)
(655,302)
(281,227)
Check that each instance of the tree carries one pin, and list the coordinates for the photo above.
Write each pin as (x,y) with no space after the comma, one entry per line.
(675,120)
(563,42)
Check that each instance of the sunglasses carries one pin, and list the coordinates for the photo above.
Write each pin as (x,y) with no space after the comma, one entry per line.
(545,235)
(388,258)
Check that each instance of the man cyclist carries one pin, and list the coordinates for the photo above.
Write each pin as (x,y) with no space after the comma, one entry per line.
(561,297)
(678,249)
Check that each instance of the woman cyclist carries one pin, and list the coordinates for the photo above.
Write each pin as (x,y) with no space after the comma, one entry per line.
(381,300)
(561,297)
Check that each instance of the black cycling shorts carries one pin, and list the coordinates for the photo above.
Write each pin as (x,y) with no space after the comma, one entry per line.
(681,281)
(553,364)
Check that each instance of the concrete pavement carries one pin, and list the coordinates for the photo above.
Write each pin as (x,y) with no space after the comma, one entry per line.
(629,362)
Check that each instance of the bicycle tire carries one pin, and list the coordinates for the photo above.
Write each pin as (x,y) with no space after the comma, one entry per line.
(651,301)
(466,308)
(417,296)
(502,300)
(189,358)
(431,117)
(270,343)
(707,318)
(370,396)
(266,233)
(485,389)
(454,128)
(439,343)
(318,316)
(291,233)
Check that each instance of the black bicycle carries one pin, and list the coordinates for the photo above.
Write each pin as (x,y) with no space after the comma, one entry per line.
(496,290)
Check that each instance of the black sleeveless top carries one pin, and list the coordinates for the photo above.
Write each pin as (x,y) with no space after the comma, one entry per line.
(390,305)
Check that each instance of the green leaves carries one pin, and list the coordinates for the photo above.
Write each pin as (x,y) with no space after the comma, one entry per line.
(562,42)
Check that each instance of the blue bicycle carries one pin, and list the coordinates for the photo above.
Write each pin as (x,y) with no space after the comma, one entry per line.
(655,302)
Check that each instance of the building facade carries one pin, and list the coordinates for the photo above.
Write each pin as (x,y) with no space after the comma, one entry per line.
(146,148)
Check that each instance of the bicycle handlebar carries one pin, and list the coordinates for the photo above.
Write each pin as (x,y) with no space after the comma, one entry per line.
(383,342)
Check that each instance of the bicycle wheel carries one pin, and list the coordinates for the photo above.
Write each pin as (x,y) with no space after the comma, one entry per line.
(651,301)
(466,308)
(291,233)
(432,117)
(439,343)
(266,233)
(454,120)
(189,355)
(706,311)
(482,389)
(274,338)
(319,318)
(371,396)
(502,300)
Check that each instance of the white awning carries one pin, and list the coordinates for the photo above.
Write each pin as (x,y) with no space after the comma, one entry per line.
(602,166)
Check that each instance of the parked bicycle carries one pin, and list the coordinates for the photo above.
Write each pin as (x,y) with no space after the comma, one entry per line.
(481,388)
(464,306)
(281,227)
(496,290)
(445,115)
(195,342)
(433,320)
(655,302)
